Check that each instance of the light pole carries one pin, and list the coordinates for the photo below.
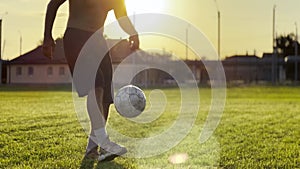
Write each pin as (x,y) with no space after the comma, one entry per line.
(219,35)
(296,54)
(187,43)
(219,30)
(20,42)
(274,47)
(1,47)
(0,51)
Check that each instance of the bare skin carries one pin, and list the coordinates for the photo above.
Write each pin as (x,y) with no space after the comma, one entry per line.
(87,15)
(90,15)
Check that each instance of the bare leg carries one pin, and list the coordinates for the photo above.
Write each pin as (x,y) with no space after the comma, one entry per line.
(106,110)
(98,112)
(97,115)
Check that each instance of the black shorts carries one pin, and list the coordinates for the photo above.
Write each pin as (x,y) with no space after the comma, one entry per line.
(74,39)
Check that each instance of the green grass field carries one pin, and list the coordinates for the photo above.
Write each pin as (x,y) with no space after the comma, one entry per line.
(260,128)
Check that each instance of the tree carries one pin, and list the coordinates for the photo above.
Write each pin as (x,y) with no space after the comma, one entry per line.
(286,44)
(286,47)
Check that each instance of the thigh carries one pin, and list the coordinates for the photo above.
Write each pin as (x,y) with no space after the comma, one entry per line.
(104,79)
(74,40)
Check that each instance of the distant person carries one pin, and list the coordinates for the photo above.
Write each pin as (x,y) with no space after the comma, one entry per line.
(85,18)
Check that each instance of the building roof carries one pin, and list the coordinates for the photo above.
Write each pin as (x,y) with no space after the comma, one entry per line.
(36,56)
(245,58)
(120,49)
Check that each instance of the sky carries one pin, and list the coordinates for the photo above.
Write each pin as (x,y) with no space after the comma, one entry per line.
(246,25)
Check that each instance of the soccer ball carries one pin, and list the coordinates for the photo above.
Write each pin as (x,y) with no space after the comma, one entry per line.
(130,101)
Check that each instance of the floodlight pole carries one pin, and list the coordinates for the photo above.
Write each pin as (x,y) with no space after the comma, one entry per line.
(0,51)
(296,55)
(187,42)
(274,47)
(219,35)
(219,30)
(20,43)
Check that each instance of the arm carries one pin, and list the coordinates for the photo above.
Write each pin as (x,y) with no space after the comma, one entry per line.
(48,43)
(125,23)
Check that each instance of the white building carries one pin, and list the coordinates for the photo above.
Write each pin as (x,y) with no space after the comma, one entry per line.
(34,68)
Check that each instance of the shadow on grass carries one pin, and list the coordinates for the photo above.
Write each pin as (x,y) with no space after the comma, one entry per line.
(88,163)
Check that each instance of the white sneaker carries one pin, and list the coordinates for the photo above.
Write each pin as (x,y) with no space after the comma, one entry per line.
(110,151)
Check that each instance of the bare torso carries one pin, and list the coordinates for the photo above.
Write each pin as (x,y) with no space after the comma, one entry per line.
(88,15)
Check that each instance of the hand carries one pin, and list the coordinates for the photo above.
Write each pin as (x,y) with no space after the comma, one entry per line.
(134,42)
(48,47)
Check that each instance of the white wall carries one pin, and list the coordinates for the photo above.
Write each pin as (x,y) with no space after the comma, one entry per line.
(40,74)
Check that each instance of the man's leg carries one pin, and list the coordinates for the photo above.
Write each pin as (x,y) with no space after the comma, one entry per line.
(98,117)
(105,110)
(98,113)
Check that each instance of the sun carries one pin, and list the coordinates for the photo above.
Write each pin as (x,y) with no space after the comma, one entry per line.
(145,6)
